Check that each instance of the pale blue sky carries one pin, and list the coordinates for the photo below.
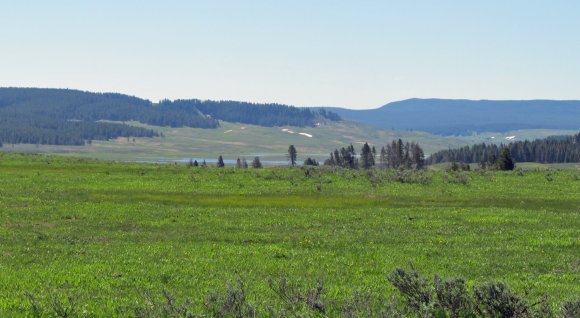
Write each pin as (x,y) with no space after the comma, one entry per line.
(356,54)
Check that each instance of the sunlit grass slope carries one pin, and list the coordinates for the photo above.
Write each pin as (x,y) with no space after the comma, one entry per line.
(271,143)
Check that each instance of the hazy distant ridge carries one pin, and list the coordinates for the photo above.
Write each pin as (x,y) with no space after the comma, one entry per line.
(463,117)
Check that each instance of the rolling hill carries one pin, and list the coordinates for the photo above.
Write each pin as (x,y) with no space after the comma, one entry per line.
(466,117)
(234,140)
(120,127)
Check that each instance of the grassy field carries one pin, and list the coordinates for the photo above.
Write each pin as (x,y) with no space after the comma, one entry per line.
(108,233)
(238,140)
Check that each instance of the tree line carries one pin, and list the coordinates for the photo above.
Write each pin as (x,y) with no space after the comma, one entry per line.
(549,150)
(59,132)
(240,163)
(268,115)
(396,155)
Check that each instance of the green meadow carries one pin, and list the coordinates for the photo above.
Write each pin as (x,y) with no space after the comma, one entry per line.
(233,140)
(102,235)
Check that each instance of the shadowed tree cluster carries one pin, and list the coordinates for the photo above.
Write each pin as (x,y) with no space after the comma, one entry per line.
(344,157)
(310,162)
(549,150)
(396,155)
(400,155)
(241,164)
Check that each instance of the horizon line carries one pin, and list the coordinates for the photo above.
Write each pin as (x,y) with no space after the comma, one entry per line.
(288,104)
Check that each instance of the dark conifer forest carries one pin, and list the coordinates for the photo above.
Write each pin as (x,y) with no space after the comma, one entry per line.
(395,155)
(71,117)
(549,150)
(260,114)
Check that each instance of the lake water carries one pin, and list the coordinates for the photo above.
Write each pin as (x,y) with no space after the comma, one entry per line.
(228,162)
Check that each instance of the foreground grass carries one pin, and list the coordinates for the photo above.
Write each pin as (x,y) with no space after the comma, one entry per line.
(107,233)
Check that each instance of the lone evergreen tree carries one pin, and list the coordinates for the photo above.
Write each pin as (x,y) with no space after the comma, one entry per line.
(330,161)
(367,157)
(505,161)
(383,163)
(417,156)
(256,164)
(220,162)
(238,163)
(292,155)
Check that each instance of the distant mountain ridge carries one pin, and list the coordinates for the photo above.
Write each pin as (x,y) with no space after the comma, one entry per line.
(465,117)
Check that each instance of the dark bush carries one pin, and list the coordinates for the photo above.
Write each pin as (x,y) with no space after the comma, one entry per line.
(166,307)
(414,289)
(298,301)
(496,300)
(231,303)
(571,309)
(452,296)
(456,177)
(411,176)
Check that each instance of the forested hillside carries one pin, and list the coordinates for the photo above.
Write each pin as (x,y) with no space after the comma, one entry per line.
(49,131)
(258,114)
(550,150)
(71,117)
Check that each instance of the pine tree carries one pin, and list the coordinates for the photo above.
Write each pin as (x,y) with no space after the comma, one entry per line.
(331,161)
(407,160)
(383,163)
(244,163)
(349,157)
(292,155)
(238,163)
(505,161)
(256,164)
(417,156)
(400,153)
(220,162)
(366,157)
(337,158)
